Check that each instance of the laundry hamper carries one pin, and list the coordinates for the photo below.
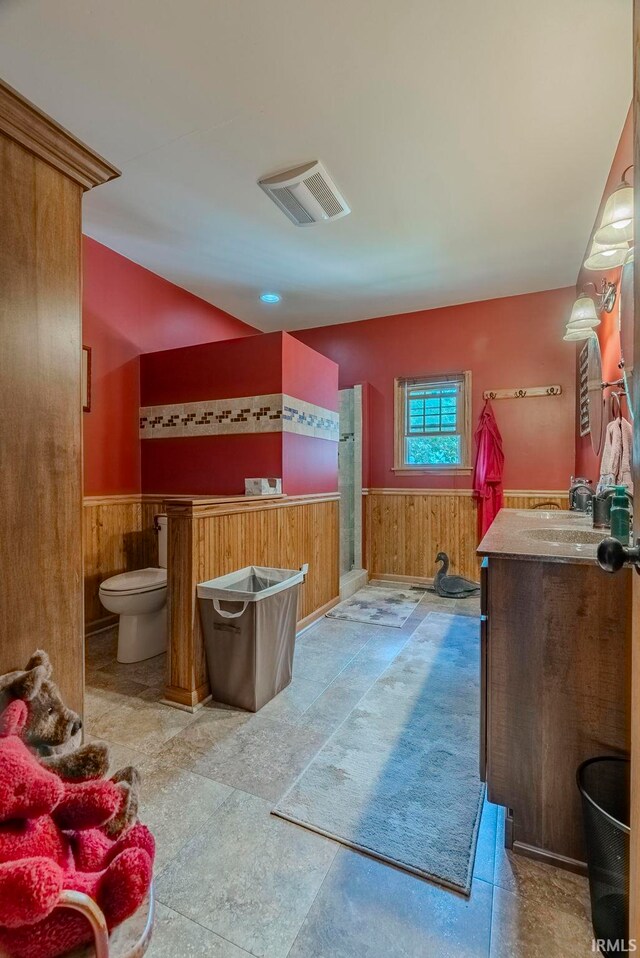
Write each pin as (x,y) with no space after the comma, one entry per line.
(249,625)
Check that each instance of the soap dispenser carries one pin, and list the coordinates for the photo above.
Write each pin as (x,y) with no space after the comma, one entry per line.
(620,515)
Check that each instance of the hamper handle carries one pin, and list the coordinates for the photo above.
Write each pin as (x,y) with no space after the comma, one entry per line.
(228,615)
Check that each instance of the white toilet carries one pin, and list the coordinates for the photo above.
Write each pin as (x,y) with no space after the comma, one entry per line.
(140,599)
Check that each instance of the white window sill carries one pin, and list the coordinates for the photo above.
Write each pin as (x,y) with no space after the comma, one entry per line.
(432,470)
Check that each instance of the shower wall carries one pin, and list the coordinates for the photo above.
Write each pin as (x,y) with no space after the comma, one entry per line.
(350,479)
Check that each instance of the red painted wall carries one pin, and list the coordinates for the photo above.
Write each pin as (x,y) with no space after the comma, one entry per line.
(250,366)
(308,375)
(209,465)
(256,365)
(128,310)
(587,462)
(516,341)
(308,464)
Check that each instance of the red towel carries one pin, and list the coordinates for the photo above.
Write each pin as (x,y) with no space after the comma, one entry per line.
(487,475)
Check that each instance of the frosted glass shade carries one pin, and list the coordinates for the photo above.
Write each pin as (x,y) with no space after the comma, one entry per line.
(583,313)
(577,334)
(617,220)
(606,257)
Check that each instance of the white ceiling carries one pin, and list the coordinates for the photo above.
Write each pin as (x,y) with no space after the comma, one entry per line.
(471,139)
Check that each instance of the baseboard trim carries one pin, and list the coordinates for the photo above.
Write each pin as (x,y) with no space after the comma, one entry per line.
(549,858)
(308,620)
(100,625)
(410,579)
(173,695)
(187,708)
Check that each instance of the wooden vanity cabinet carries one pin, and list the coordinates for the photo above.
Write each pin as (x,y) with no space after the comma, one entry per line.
(556,690)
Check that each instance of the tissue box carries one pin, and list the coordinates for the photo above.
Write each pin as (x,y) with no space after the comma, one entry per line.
(263,487)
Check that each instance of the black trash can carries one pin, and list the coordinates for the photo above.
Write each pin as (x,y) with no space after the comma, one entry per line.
(604,785)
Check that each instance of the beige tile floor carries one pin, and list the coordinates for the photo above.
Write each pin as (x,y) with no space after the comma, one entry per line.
(233,880)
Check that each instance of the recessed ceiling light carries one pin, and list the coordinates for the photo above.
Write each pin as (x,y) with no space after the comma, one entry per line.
(270,298)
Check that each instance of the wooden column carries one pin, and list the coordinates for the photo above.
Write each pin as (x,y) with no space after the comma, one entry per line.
(43,172)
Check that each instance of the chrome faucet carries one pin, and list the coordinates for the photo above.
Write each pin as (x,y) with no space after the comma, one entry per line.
(581,495)
(602,508)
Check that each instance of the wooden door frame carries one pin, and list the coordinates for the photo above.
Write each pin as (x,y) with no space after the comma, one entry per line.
(634,917)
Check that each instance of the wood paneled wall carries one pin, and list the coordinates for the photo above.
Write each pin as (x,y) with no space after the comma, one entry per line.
(405,529)
(118,536)
(43,171)
(209,539)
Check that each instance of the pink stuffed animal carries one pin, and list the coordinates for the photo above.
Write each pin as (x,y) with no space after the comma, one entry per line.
(50,840)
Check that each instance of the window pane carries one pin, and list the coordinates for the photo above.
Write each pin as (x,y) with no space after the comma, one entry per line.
(433,451)
(432,410)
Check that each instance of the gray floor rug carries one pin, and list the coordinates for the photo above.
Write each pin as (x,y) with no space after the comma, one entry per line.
(399,778)
(378,606)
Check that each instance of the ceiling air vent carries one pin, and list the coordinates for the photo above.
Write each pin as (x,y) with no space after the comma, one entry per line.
(306,194)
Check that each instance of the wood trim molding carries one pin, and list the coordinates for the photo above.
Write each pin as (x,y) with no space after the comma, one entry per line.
(308,620)
(411,579)
(432,471)
(190,701)
(180,500)
(123,498)
(390,491)
(119,500)
(23,122)
(226,507)
(634,877)
(550,858)
(100,625)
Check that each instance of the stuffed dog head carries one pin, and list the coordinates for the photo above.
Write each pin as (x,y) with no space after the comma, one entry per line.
(50,724)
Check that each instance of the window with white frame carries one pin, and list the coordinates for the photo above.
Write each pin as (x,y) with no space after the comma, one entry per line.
(432,423)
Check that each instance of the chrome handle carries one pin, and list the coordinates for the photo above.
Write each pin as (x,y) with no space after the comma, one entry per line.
(612,555)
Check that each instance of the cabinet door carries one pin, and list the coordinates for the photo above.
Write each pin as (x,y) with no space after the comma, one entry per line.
(484,635)
(484,651)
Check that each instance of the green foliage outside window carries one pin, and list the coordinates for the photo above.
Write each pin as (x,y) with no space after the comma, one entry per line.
(433,451)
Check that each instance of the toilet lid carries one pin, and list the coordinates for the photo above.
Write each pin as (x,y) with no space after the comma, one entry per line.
(141,580)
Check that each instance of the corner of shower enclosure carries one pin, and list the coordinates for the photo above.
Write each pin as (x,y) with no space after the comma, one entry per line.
(352,575)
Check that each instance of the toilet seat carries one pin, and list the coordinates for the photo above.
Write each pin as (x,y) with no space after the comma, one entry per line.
(136,583)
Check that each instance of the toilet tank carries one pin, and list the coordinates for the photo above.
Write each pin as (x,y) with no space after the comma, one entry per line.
(161,526)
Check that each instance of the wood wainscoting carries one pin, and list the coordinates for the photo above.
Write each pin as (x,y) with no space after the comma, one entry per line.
(208,538)
(118,536)
(406,528)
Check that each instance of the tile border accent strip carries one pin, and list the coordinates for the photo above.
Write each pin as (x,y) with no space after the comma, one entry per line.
(246,415)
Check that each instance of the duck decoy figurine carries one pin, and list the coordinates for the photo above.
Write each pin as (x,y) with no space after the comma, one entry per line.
(452,586)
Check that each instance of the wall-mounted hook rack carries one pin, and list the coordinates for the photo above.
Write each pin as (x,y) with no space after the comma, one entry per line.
(524,392)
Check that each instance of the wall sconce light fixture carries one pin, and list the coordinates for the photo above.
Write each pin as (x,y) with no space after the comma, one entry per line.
(583,319)
(584,316)
(606,257)
(616,225)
